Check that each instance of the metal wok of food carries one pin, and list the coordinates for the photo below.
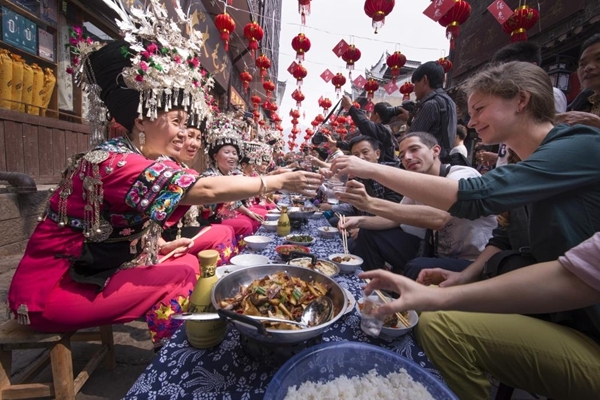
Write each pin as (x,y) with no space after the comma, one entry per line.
(232,292)
(301,212)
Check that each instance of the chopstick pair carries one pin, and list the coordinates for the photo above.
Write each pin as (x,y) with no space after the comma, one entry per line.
(165,258)
(385,299)
(344,233)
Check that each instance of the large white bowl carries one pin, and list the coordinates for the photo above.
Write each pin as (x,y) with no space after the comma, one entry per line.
(328,232)
(250,260)
(400,329)
(257,243)
(347,267)
(271,226)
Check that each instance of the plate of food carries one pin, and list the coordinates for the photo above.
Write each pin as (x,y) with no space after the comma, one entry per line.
(323,266)
(348,263)
(393,325)
(301,240)
(285,250)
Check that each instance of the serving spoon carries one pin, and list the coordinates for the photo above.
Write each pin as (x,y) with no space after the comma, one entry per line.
(317,312)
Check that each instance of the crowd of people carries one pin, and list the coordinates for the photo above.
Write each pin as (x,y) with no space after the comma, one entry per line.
(502,261)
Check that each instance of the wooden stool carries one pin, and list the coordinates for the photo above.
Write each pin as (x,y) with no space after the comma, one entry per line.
(64,385)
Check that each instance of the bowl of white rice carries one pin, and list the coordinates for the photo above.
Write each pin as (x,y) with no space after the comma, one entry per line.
(353,370)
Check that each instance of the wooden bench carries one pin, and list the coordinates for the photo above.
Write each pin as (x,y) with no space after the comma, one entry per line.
(58,353)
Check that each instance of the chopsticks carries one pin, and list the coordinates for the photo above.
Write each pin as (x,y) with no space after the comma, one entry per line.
(165,258)
(385,299)
(344,233)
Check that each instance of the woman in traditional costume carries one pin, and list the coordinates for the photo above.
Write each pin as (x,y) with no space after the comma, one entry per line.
(93,258)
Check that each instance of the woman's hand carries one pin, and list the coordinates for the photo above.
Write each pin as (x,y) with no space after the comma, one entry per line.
(181,247)
(441,277)
(413,295)
(352,166)
(355,194)
(303,182)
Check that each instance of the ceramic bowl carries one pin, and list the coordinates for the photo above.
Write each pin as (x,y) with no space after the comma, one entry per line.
(347,266)
(270,226)
(328,232)
(272,216)
(249,260)
(257,243)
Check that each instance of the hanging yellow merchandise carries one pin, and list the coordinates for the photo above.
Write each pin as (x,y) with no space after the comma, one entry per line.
(49,83)
(37,88)
(27,88)
(16,84)
(5,78)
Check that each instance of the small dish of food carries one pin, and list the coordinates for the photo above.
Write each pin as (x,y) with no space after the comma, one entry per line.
(323,266)
(285,250)
(394,326)
(328,232)
(348,263)
(302,240)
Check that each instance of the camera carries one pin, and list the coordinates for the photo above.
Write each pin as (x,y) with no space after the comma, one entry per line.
(318,138)
(409,106)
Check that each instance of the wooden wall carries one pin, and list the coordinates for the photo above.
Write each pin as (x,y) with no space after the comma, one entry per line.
(39,146)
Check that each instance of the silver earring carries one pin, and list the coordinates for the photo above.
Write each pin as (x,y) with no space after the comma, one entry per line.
(518,110)
(142,138)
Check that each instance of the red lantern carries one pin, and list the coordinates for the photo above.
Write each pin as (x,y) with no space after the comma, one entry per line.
(275,117)
(261,122)
(520,22)
(304,9)
(395,62)
(295,131)
(320,118)
(300,73)
(263,63)
(294,121)
(371,87)
(458,14)
(298,96)
(341,119)
(356,105)
(406,90)
(309,132)
(254,33)
(338,81)
(255,100)
(269,87)
(445,63)
(279,128)
(225,24)
(325,103)
(301,45)
(315,123)
(295,113)
(274,107)
(246,78)
(256,113)
(377,10)
(351,56)
(342,131)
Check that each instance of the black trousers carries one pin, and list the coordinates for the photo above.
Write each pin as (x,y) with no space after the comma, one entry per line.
(413,267)
(392,245)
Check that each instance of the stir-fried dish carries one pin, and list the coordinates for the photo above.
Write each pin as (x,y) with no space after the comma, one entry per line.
(278,295)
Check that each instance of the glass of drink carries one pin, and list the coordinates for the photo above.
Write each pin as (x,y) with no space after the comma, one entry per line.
(369,323)
(332,189)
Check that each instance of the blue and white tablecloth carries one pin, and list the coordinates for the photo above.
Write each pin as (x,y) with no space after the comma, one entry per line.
(226,372)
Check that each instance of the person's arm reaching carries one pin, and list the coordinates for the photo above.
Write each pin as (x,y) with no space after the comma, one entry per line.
(373,223)
(517,292)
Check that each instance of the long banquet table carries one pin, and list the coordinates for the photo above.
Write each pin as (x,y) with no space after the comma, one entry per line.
(180,371)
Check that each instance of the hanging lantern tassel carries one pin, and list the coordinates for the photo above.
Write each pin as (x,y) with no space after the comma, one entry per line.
(378,10)
(304,10)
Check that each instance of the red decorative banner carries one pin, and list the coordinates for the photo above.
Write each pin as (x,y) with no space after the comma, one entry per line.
(360,81)
(341,48)
(292,67)
(438,8)
(327,75)
(391,87)
(500,10)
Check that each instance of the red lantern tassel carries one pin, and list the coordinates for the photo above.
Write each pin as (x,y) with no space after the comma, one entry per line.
(225,38)
(519,35)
